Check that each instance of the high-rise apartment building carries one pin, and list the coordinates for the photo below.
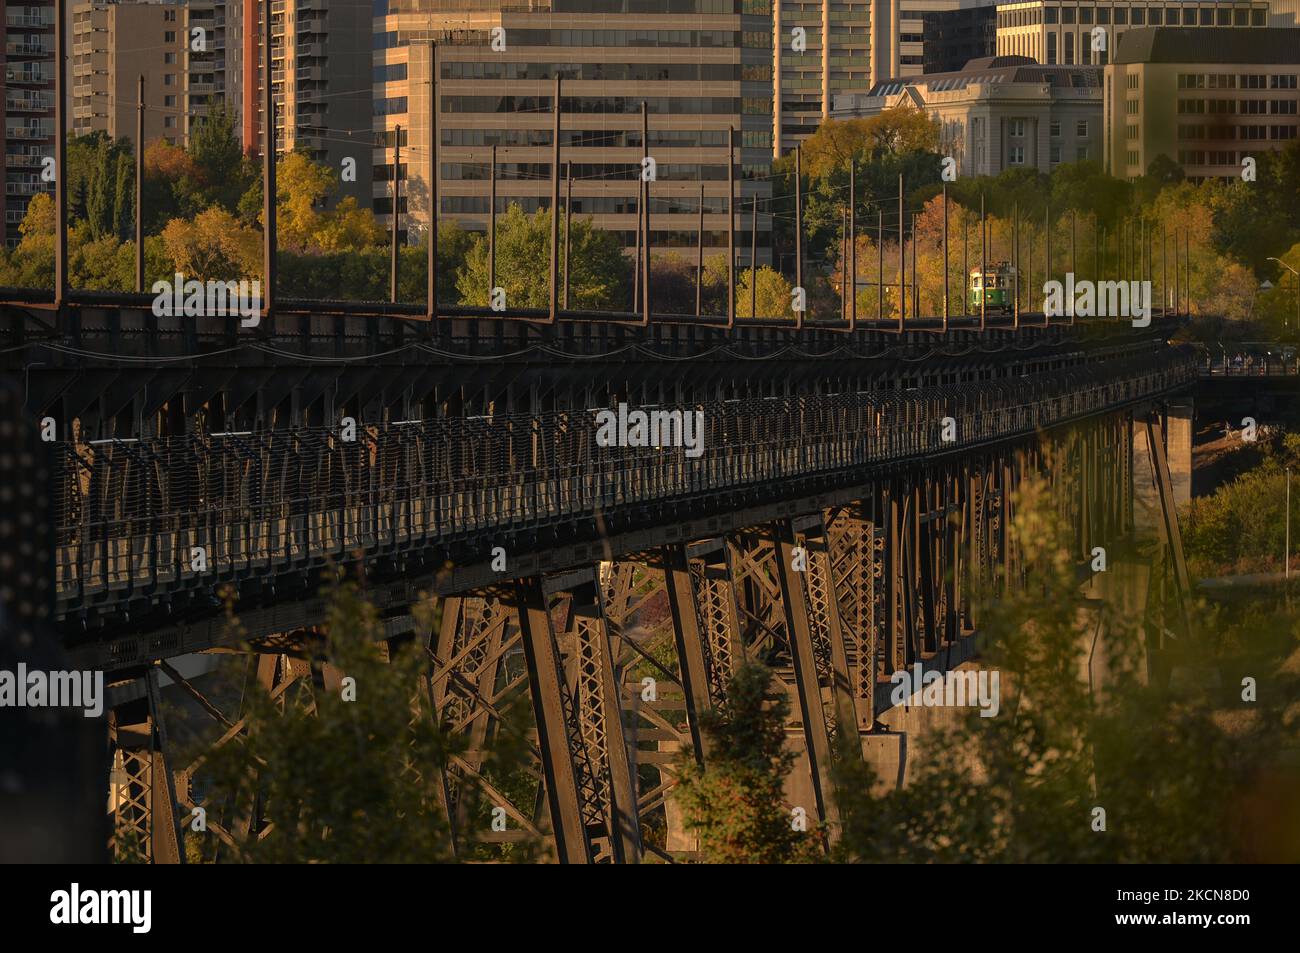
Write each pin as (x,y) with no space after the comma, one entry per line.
(27,40)
(1205,98)
(320,81)
(868,42)
(701,67)
(1072,32)
(181,49)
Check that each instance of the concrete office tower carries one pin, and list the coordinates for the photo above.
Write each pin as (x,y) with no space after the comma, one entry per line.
(686,65)
(1070,32)
(27,57)
(1206,98)
(1000,113)
(320,80)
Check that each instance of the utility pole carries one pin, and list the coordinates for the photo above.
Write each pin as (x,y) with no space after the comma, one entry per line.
(492,222)
(902,259)
(945,257)
(644,263)
(554,309)
(397,212)
(431,266)
(268,167)
(798,231)
(62,125)
(699,258)
(568,227)
(853,244)
(731,227)
(139,184)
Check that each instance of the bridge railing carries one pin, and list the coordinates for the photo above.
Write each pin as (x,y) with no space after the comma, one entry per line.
(139,518)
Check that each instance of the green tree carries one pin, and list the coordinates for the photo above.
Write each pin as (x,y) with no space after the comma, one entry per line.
(735,804)
(347,767)
(598,269)
(1080,726)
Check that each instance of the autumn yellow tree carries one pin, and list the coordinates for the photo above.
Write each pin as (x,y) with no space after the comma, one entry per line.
(304,223)
(213,246)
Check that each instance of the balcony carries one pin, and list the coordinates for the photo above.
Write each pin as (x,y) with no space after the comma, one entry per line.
(28,132)
(34,21)
(26,47)
(31,103)
(23,188)
(29,77)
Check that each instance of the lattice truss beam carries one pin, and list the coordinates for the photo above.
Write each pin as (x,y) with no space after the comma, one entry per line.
(619,661)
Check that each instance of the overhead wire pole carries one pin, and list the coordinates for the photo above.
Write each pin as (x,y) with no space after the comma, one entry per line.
(644,263)
(431,265)
(555,206)
(844,264)
(1015,262)
(492,223)
(568,227)
(61,153)
(902,257)
(880,263)
(268,169)
(699,259)
(945,258)
(853,244)
(731,227)
(984,250)
(1047,255)
(798,233)
(397,212)
(916,286)
(139,184)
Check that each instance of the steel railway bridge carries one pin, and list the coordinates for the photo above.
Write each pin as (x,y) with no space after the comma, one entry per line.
(190,458)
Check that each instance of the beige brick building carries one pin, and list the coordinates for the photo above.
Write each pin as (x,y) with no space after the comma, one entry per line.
(1206,98)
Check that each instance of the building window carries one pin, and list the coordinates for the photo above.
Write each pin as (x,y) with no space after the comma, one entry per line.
(169,122)
(1054,153)
(1054,129)
(1207,16)
(169,59)
(169,36)
(1069,49)
(1081,154)
(1051,49)
(1121,16)
(169,16)
(1016,128)
(169,79)
(1154,16)
(1016,155)
(1139,17)
(1081,129)
(169,101)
